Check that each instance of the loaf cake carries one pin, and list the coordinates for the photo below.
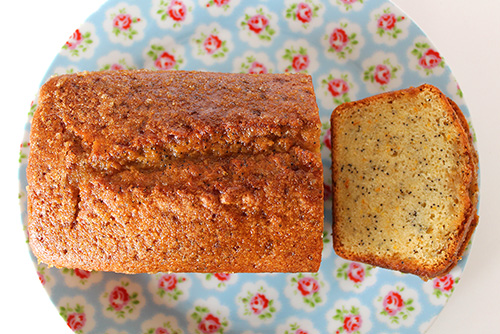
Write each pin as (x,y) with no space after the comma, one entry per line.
(171,171)
(404,181)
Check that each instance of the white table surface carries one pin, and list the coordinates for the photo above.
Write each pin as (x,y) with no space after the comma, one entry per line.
(467,34)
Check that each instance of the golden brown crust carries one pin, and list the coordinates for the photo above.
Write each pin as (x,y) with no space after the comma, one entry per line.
(469,197)
(140,171)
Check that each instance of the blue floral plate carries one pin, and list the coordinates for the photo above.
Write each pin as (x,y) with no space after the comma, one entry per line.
(352,49)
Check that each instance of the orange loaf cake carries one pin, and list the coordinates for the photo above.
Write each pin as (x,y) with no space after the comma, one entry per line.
(405,181)
(149,171)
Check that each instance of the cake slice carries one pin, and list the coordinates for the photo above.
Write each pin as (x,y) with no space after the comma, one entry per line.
(404,181)
(166,171)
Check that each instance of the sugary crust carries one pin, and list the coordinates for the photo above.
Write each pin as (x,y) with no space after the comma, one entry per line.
(141,171)
(469,197)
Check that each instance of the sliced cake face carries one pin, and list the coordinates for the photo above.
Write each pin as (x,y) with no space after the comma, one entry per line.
(402,171)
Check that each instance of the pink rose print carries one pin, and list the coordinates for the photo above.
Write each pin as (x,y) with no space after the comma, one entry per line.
(161,330)
(308,286)
(222,276)
(41,278)
(445,283)
(165,61)
(387,21)
(116,67)
(356,272)
(74,40)
(221,3)
(300,331)
(257,68)
(430,59)
(327,140)
(258,303)
(82,274)
(393,303)
(118,298)
(348,2)
(211,44)
(338,87)
(122,21)
(304,12)
(257,23)
(177,10)
(328,191)
(352,323)
(300,62)
(382,74)
(168,282)
(76,321)
(338,39)
(210,324)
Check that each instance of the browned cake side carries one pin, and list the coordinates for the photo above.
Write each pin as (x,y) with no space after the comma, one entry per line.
(141,171)
(405,181)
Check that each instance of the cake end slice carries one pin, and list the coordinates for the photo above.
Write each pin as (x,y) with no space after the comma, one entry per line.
(404,181)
